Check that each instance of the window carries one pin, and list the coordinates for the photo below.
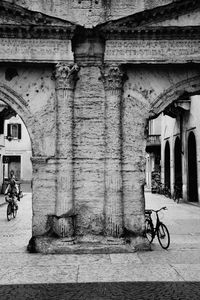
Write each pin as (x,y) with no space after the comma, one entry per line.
(14,131)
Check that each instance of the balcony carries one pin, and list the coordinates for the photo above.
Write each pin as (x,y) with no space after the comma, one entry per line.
(153,143)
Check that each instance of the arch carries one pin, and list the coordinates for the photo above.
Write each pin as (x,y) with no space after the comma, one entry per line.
(192,169)
(178,181)
(19,105)
(167,178)
(189,86)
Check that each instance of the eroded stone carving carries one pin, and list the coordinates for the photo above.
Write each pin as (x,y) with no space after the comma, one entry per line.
(39,160)
(151,50)
(66,75)
(113,78)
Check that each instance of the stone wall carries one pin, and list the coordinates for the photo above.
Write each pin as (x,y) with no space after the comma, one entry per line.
(31,93)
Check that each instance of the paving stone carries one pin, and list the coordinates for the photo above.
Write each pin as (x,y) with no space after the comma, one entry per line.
(127,272)
(189,272)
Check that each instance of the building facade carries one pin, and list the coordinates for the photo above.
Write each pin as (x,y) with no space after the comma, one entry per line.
(17,155)
(85,77)
(153,156)
(180,148)
(15,149)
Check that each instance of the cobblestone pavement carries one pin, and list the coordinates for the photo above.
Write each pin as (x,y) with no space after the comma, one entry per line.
(106,291)
(179,264)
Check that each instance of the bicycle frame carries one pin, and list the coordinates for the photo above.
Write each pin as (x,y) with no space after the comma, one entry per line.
(11,208)
(158,222)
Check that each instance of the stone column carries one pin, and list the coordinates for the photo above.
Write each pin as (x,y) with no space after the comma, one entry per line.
(113,83)
(43,188)
(66,76)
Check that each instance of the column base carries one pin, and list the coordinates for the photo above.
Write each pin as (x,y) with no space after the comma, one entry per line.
(88,244)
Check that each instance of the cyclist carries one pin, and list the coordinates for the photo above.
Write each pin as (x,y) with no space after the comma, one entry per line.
(12,191)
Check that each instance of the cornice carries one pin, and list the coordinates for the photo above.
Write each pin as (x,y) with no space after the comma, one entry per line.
(36,31)
(141,20)
(157,32)
(19,22)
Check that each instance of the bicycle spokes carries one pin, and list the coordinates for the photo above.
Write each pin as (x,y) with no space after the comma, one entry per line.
(163,236)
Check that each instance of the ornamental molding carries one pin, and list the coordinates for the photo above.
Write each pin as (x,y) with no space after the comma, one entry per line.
(113,78)
(19,22)
(141,20)
(154,33)
(177,91)
(66,75)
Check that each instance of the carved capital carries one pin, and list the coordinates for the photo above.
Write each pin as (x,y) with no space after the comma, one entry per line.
(113,78)
(66,75)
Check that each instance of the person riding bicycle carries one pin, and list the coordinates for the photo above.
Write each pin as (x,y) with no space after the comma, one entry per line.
(12,191)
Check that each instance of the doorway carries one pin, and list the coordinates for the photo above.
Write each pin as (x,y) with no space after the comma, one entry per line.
(167,165)
(178,182)
(192,169)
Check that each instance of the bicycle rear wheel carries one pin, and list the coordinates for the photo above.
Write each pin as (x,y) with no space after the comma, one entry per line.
(14,211)
(149,230)
(9,212)
(163,236)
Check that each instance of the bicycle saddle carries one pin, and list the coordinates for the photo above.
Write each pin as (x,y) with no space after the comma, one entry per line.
(148,211)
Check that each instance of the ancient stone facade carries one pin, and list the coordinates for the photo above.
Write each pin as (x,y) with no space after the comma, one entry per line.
(85,94)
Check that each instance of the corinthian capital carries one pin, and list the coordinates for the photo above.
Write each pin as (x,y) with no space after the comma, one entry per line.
(113,78)
(66,75)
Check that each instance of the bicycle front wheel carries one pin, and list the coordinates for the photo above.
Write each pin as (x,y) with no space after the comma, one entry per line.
(14,211)
(149,230)
(163,236)
(9,212)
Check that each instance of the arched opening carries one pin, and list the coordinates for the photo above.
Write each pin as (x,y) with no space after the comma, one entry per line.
(15,160)
(178,166)
(192,169)
(167,165)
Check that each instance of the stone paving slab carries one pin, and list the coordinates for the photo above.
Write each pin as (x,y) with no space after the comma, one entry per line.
(188,272)
(190,257)
(34,274)
(127,272)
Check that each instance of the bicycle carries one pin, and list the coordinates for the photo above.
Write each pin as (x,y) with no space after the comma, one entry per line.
(177,194)
(11,208)
(160,229)
(164,190)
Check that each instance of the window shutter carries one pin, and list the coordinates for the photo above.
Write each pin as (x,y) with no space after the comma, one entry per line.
(1,125)
(19,131)
(9,130)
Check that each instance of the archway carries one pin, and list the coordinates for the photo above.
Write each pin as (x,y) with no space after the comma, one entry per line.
(192,169)
(167,165)
(15,158)
(178,165)
(189,86)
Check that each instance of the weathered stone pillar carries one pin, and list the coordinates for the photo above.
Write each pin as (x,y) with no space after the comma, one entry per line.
(135,114)
(66,76)
(43,188)
(113,82)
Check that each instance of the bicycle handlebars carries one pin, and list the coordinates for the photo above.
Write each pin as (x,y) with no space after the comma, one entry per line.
(156,211)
